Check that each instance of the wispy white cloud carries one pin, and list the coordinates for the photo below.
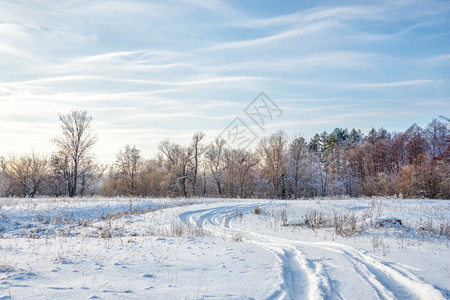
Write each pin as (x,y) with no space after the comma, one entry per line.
(217,7)
(339,60)
(393,84)
(290,33)
(439,58)
(314,15)
(367,85)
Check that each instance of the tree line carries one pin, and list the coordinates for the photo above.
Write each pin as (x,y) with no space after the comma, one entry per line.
(413,163)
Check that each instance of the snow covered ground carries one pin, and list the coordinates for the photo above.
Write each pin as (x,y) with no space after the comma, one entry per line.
(224,249)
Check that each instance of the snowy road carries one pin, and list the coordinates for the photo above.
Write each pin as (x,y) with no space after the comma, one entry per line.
(317,270)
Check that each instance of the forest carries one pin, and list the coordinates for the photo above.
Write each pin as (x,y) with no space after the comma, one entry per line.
(409,164)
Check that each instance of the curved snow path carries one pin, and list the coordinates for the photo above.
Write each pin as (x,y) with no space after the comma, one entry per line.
(305,277)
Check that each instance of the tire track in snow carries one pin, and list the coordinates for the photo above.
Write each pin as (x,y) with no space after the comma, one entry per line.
(301,278)
(305,278)
(387,281)
(407,285)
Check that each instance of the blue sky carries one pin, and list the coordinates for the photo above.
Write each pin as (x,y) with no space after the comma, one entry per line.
(150,70)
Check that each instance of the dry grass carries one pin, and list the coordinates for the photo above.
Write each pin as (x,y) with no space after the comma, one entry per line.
(344,224)
(429,228)
(379,243)
(237,237)
(129,212)
(6,267)
(180,229)
(257,210)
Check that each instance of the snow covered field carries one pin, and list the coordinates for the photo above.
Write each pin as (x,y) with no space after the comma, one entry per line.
(224,249)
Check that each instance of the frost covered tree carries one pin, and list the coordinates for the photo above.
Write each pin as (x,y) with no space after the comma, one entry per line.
(303,169)
(437,135)
(215,162)
(272,152)
(318,145)
(74,157)
(241,173)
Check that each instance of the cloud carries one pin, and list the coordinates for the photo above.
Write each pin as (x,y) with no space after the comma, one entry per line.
(305,17)
(438,59)
(327,60)
(367,85)
(393,84)
(271,39)
(218,7)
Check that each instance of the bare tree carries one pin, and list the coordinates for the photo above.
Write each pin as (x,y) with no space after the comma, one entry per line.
(90,177)
(5,181)
(74,146)
(151,176)
(416,143)
(272,151)
(302,168)
(179,164)
(437,135)
(245,163)
(27,172)
(241,170)
(129,163)
(197,150)
(214,161)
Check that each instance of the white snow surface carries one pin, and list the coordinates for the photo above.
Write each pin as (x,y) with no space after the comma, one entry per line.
(135,248)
